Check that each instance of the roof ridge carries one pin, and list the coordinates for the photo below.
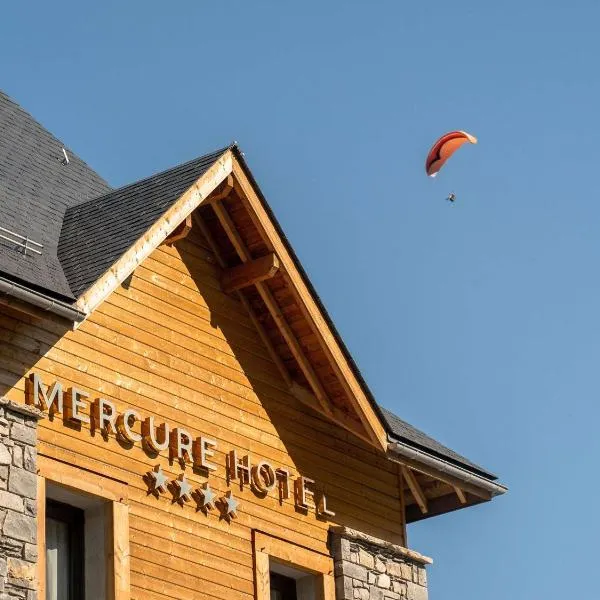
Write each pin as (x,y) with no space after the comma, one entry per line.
(168,171)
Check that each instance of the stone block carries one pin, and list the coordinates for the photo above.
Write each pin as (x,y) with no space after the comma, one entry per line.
(376,593)
(30,552)
(14,417)
(343,588)
(5,457)
(3,567)
(21,573)
(414,591)
(30,458)
(372,578)
(399,587)
(361,594)
(379,565)
(22,482)
(384,581)
(355,571)
(406,571)
(394,569)
(422,576)
(17,458)
(10,547)
(22,433)
(19,527)
(11,501)
(366,559)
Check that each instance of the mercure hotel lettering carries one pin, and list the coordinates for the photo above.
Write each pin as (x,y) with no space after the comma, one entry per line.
(183,448)
(179,417)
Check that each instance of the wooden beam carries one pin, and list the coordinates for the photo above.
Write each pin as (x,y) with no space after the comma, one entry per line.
(333,351)
(180,232)
(118,539)
(337,416)
(297,390)
(402,506)
(249,273)
(415,489)
(273,308)
(223,190)
(261,330)
(461,495)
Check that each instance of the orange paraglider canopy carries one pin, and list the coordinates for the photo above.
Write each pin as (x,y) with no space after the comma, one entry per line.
(444,148)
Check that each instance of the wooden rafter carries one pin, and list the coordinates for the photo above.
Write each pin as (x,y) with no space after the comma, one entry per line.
(338,416)
(261,330)
(297,390)
(223,191)
(249,273)
(332,349)
(273,308)
(461,495)
(415,489)
(180,232)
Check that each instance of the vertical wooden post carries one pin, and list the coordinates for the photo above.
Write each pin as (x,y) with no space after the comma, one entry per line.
(402,507)
(117,551)
(41,536)
(325,587)
(263,580)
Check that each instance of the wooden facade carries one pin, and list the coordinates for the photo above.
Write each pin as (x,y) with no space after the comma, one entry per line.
(173,345)
(207,323)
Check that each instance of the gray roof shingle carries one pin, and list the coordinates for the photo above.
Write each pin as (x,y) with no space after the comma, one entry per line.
(35,191)
(96,233)
(404,432)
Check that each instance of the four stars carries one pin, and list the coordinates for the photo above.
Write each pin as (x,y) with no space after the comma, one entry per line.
(184,491)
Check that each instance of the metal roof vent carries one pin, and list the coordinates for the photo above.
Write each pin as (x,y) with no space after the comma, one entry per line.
(23,243)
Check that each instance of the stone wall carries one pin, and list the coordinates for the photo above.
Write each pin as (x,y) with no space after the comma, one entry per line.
(367,568)
(18,490)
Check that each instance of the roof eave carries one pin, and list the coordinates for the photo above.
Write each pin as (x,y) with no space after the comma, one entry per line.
(17,295)
(436,467)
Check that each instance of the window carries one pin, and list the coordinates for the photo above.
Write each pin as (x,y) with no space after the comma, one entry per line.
(284,571)
(64,552)
(83,534)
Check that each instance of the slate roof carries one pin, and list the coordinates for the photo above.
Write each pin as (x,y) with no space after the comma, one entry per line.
(96,233)
(35,191)
(404,432)
(85,226)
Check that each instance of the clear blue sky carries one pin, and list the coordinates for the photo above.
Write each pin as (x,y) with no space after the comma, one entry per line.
(477,322)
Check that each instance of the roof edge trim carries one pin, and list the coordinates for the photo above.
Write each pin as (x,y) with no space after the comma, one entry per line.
(39,300)
(156,234)
(476,483)
(315,313)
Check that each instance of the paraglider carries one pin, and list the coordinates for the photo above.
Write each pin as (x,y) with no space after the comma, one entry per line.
(443,149)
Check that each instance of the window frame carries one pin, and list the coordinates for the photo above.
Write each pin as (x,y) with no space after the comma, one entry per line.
(117,529)
(267,546)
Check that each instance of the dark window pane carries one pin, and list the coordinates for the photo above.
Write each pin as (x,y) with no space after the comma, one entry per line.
(64,552)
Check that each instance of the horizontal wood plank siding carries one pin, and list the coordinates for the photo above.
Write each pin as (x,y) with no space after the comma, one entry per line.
(174,346)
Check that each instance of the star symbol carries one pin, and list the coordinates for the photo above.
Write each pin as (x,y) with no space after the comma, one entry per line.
(184,488)
(230,505)
(208,496)
(159,481)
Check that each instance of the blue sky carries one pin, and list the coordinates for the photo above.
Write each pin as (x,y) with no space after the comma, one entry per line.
(478,321)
